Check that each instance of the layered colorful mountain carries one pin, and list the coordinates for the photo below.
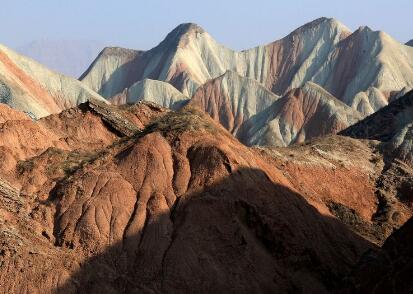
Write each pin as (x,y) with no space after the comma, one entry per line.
(256,116)
(160,187)
(30,87)
(359,68)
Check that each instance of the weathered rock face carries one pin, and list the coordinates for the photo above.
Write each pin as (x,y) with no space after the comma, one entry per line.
(306,113)
(143,199)
(358,68)
(233,101)
(326,169)
(9,114)
(391,126)
(312,70)
(257,117)
(89,127)
(364,74)
(114,71)
(178,206)
(30,87)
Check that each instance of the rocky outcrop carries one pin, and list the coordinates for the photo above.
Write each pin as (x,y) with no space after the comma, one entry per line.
(9,114)
(89,127)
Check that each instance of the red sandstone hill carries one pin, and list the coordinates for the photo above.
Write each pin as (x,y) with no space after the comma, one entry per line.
(142,199)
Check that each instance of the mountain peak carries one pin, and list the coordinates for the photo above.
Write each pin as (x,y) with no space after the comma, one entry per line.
(365,29)
(410,43)
(365,32)
(324,22)
(327,20)
(188,27)
(184,31)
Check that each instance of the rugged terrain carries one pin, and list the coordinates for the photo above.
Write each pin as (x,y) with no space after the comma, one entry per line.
(149,200)
(364,68)
(258,117)
(318,80)
(208,170)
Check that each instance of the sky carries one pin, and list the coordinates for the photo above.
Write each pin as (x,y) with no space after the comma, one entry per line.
(143,24)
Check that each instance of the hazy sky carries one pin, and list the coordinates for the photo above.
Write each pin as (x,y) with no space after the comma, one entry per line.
(236,24)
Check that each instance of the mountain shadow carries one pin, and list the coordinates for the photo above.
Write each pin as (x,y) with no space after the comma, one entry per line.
(240,234)
(389,270)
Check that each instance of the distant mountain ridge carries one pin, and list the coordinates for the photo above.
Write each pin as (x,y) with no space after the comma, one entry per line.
(356,67)
(69,57)
(319,79)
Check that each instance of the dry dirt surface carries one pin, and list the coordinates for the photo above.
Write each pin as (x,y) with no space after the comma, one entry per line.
(140,199)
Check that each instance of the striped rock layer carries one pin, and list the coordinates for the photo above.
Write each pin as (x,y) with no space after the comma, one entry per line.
(30,87)
(363,68)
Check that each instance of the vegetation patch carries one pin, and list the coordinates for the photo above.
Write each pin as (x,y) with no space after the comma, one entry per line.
(58,162)
(187,119)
